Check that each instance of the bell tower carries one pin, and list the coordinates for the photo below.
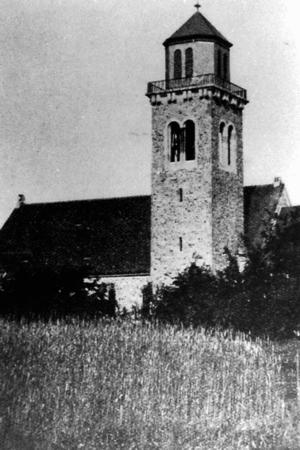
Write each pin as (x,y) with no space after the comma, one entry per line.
(197,152)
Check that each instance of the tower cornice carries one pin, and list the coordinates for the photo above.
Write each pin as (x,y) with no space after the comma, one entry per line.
(204,86)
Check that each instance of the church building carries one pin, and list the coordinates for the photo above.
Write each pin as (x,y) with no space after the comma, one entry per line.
(198,204)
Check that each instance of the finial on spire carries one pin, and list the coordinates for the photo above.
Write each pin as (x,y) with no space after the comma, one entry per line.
(197,6)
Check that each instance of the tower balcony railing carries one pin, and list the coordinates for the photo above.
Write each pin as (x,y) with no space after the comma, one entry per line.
(199,81)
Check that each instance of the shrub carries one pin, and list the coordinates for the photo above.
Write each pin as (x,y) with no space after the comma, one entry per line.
(196,297)
(259,301)
(44,293)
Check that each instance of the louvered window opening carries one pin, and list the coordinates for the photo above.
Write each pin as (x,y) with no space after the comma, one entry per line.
(189,63)
(177,64)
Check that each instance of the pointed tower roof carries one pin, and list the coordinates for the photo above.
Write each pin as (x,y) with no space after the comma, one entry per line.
(197,28)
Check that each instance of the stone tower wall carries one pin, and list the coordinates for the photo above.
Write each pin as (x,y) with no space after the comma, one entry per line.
(197,205)
(190,219)
(227,188)
(210,216)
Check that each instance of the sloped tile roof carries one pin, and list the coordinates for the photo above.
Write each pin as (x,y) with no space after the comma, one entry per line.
(291,213)
(260,203)
(110,236)
(289,250)
(197,28)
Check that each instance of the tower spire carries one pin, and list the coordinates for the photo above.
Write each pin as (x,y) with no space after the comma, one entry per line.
(197,6)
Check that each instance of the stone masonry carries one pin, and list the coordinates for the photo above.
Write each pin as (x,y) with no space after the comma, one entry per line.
(227,188)
(210,215)
(197,204)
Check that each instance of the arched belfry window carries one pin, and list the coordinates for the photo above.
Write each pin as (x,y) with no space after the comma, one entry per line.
(222,126)
(181,140)
(189,63)
(177,64)
(189,140)
(229,146)
(175,141)
(221,141)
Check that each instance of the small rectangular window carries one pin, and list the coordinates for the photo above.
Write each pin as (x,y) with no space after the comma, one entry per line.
(180,195)
(180,243)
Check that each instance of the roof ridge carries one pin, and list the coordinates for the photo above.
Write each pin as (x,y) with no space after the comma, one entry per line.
(260,185)
(210,25)
(86,200)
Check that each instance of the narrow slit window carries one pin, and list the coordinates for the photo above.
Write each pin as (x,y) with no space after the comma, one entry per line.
(180,244)
(189,63)
(180,195)
(177,64)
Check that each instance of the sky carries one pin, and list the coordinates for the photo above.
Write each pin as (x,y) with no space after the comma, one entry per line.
(74,119)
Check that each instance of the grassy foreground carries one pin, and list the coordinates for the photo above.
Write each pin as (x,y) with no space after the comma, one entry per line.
(132,386)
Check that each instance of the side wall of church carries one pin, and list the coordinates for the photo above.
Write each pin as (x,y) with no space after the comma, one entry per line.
(128,289)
